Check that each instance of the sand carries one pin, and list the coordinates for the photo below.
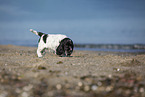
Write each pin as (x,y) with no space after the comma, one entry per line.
(84,74)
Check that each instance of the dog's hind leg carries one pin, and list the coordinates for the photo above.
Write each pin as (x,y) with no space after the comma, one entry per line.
(39,54)
(43,51)
(40,50)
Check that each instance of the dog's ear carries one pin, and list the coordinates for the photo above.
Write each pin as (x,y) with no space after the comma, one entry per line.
(45,37)
(71,44)
(60,50)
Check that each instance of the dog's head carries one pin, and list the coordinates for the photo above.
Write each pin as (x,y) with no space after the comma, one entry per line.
(68,47)
(65,48)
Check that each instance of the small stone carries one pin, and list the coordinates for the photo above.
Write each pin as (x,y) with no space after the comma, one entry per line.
(80,84)
(110,76)
(94,87)
(109,88)
(141,90)
(99,83)
(58,86)
(18,90)
(86,88)
(136,89)
(10,69)
(28,88)
(127,92)
(116,69)
(67,85)
(100,89)
(66,73)
(59,62)
(41,67)
(25,94)
(73,64)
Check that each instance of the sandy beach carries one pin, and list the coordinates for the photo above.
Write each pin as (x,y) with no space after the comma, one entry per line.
(84,74)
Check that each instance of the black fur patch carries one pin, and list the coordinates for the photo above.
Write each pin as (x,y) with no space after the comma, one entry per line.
(44,38)
(39,40)
(65,47)
(40,34)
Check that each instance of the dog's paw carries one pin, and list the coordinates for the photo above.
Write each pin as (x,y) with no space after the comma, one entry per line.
(40,55)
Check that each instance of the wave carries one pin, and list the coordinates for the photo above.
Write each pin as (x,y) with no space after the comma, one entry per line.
(111,46)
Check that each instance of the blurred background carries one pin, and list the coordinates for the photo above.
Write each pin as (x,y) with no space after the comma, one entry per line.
(116,22)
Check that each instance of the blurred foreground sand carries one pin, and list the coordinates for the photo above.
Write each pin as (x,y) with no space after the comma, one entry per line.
(84,74)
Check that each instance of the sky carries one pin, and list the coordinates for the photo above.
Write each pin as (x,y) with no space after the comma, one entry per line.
(84,21)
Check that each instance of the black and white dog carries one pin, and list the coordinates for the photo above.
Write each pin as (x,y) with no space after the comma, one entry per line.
(58,43)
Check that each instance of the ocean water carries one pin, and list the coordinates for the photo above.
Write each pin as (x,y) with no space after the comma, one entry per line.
(112,50)
(137,48)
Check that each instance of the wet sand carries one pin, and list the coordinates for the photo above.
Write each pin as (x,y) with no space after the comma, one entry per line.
(84,74)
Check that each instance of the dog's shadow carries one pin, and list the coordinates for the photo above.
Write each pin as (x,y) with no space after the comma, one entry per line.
(66,56)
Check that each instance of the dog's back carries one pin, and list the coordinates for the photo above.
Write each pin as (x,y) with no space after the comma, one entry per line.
(53,40)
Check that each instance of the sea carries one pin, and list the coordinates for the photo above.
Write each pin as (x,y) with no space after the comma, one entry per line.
(131,48)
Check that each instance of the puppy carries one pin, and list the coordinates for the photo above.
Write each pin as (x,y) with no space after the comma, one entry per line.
(58,43)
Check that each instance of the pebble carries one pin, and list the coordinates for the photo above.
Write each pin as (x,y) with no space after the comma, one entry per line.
(28,88)
(58,86)
(127,92)
(94,87)
(116,69)
(80,84)
(100,89)
(25,94)
(141,90)
(66,73)
(135,89)
(67,86)
(109,88)
(99,83)
(86,88)
(110,76)
(73,64)
(18,90)
(10,69)
(41,68)
(59,62)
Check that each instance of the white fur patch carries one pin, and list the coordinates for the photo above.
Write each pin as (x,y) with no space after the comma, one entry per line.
(53,40)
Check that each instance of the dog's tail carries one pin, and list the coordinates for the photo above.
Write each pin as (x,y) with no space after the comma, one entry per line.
(37,33)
